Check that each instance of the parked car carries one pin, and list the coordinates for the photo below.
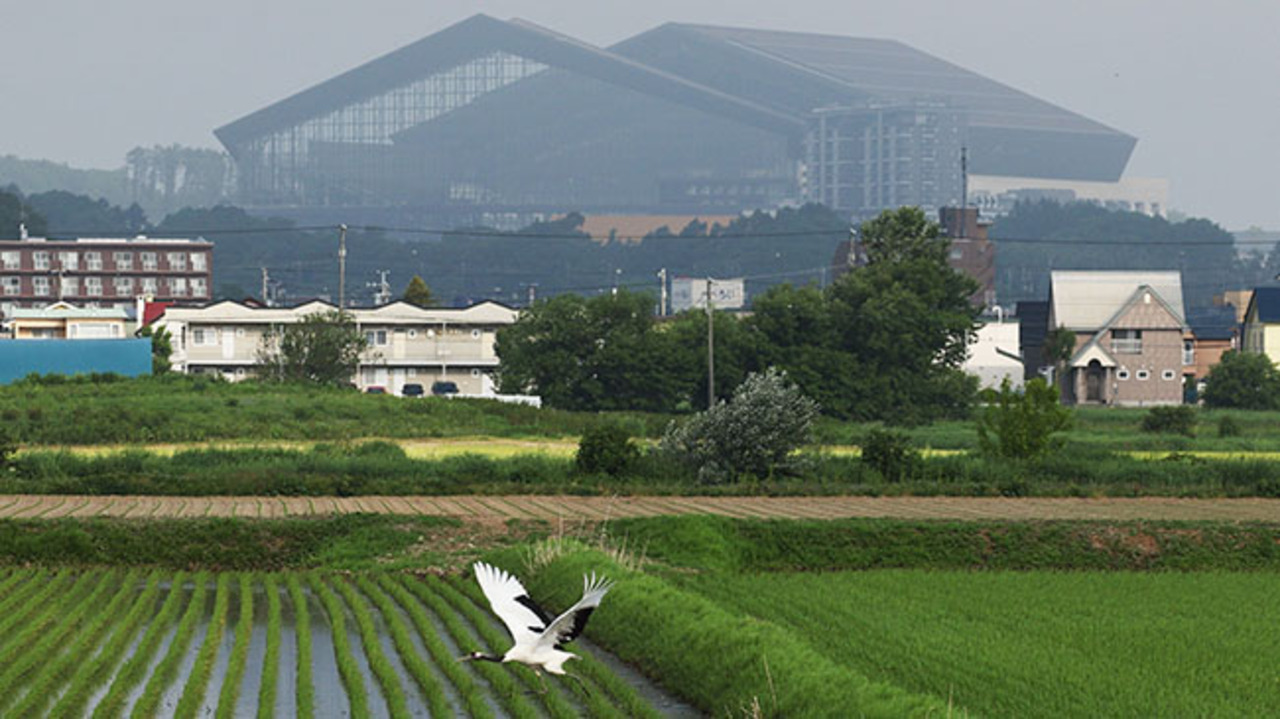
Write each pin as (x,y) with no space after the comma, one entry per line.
(444,388)
(375,389)
(412,389)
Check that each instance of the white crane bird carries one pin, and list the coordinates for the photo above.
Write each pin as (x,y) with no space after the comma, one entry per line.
(539,639)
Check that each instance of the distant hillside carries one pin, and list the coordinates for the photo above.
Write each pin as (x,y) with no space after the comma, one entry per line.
(36,176)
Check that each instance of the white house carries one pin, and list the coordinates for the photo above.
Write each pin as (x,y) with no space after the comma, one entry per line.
(993,355)
(407,344)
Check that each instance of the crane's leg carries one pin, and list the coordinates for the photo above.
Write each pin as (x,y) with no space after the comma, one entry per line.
(542,680)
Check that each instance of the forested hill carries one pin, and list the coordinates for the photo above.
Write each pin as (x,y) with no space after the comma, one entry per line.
(1042,236)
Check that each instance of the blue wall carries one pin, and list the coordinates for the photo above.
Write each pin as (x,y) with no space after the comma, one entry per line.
(19,358)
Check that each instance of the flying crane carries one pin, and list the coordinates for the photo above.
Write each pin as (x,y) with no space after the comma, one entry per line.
(539,639)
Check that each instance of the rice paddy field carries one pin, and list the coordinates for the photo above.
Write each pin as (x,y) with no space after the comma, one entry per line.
(1036,644)
(141,643)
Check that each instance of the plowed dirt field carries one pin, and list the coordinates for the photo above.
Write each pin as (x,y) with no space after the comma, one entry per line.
(595,508)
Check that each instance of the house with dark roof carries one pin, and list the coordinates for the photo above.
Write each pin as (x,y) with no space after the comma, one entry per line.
(1129,329)
(1260,331)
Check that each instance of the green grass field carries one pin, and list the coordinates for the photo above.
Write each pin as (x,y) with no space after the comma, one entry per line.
(1036,644)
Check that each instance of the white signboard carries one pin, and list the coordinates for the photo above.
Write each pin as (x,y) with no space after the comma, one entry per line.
(691,292)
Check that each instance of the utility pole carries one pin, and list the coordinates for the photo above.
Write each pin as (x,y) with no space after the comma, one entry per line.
(342,268)
(964,182)
(662,292)
(265,280)
(711,351)
(533,293)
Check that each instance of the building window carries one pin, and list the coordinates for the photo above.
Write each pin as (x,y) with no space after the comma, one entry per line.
(69,260)
(1143,374)
(1126,341)
(204,336)
(178,286)
(198,261)
(413,371)
(123,286)
(40,260)
(413,334)
(376,338)
(69,286)
(178,261)
(93,286)
(1188,352)
(41,286)
(11,260)
(1168,375)
(124,260)
(93,261)
(149,261)
(12,285)
(475,373)
(150,285)
(475,334)
(198,288)
(1122,374)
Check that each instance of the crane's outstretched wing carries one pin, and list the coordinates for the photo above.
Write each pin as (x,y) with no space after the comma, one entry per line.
(525,620)
(569,625)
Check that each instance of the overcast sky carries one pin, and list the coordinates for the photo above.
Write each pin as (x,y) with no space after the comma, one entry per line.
(1197,83)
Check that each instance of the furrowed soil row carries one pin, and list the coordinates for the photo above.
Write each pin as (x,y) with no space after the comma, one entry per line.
(552,508)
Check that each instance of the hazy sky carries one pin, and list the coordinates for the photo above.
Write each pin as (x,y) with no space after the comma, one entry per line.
(1197,83)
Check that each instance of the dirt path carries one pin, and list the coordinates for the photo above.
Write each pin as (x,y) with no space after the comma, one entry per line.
(589,508)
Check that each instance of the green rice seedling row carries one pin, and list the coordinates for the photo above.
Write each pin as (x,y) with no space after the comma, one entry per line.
(54,672)
(142,643)
(271,659)
(91,674)
(459,677)
(417,667)
(239,652)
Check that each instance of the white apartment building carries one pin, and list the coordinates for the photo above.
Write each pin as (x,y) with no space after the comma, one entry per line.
(407,344)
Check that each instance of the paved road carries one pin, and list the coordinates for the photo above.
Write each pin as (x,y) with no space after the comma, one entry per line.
(593,508)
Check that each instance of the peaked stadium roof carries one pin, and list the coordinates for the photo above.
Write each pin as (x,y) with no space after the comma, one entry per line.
(473,38)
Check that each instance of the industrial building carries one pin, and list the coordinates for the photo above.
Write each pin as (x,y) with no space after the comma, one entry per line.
(499,122)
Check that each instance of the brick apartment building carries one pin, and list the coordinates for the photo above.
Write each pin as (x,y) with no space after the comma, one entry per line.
(36,272)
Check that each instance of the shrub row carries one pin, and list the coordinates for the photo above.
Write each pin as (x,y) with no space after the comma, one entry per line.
(381,468)
(344,541)
(742,545)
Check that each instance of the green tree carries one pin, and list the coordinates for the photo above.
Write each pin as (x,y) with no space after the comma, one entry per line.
(322,347)
(161,347)
(1059,345)
(885,341)
(755,433)
(1022,425)
(417,293)
(15,211)
(592,354)
(1245,380)
(736,353)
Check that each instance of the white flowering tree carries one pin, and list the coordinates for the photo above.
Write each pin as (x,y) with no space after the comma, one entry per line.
(755,433)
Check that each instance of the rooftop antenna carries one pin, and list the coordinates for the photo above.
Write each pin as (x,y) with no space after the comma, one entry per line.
(964,180)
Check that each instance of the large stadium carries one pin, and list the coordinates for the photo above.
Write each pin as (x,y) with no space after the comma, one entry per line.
(499,122)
